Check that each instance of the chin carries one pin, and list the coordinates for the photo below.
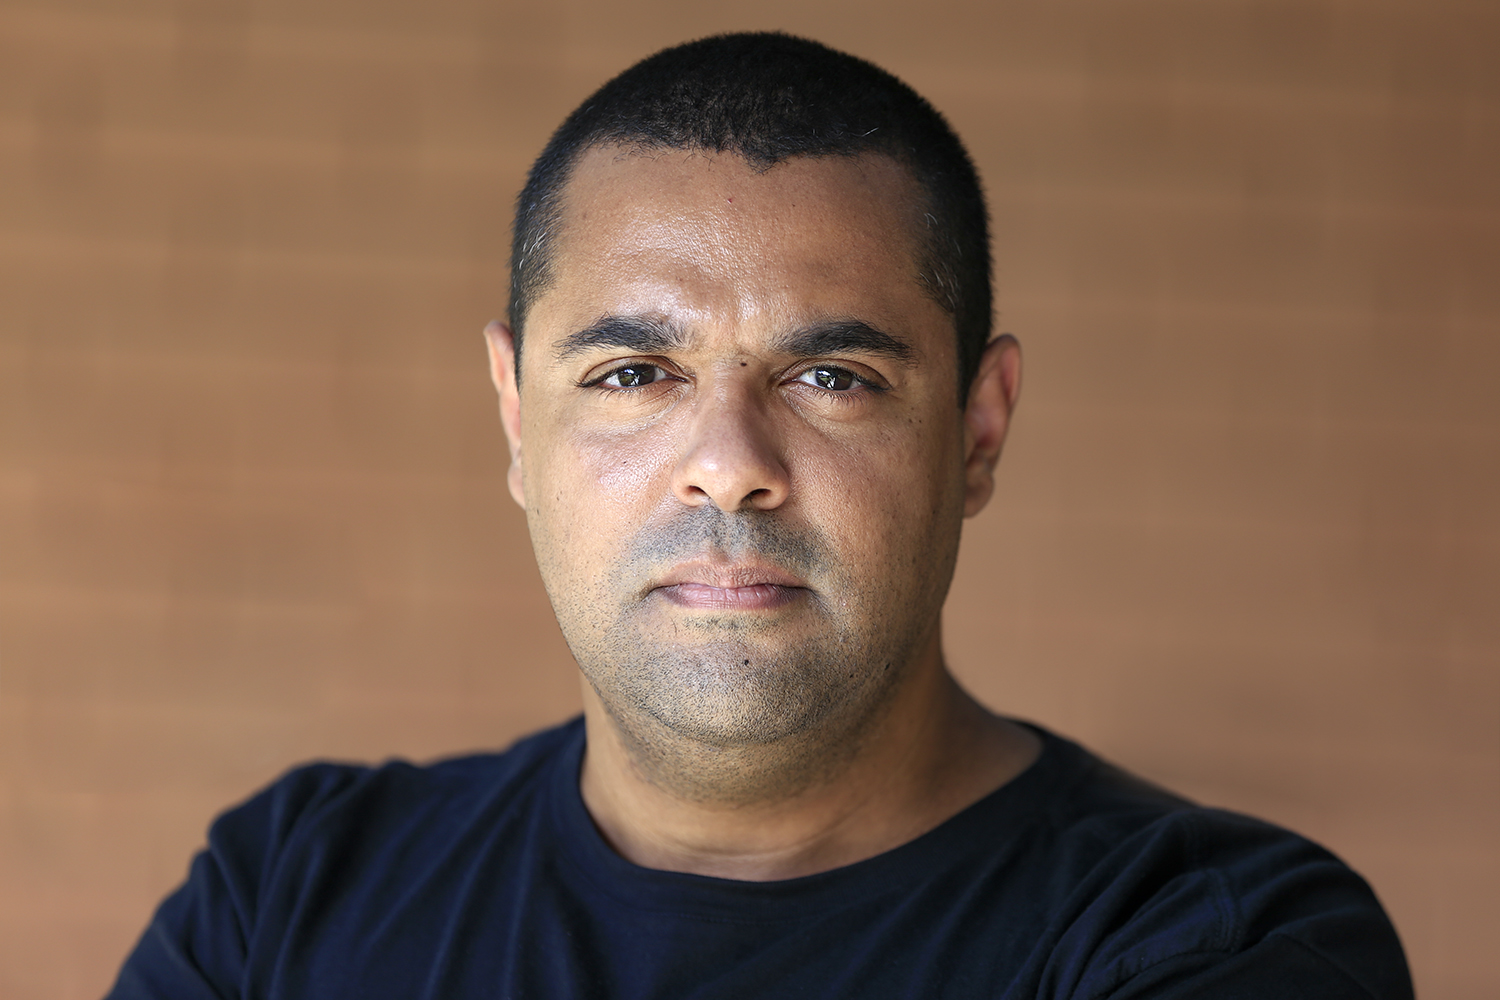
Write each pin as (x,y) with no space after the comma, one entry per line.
(733,693)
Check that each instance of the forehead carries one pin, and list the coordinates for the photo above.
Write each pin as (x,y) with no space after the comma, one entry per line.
(706,238)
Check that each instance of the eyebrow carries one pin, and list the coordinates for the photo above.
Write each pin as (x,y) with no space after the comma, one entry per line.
(637,334)
(844,337)
(648,335)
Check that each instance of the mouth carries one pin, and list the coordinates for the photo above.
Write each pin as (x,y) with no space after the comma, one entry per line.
(720,587)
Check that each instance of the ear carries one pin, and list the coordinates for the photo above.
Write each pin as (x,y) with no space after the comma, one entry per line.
(502,346)
(992,399)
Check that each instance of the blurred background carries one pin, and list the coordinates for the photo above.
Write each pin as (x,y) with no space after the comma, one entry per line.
(252,507)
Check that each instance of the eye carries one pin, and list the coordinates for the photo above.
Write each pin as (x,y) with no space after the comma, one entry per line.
(631,377)
(830,378)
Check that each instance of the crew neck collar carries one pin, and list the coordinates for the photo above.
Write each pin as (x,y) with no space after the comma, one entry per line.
(991,824)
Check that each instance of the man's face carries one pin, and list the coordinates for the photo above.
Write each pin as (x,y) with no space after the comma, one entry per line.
(739,447)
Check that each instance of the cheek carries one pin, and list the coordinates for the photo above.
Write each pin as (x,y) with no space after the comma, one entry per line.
(908,457)
(587,464)
(597,488)
(884,495)
(621,466)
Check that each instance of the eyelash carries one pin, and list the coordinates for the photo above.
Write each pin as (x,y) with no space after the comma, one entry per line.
(842,394)
(599,380)
(858,379)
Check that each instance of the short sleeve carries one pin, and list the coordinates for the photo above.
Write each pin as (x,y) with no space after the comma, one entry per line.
(198,943)
(1300,923)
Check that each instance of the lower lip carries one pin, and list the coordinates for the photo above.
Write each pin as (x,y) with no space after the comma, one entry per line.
(757,597)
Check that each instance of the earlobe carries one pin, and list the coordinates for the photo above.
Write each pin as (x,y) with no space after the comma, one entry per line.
(501,344)
(992,399)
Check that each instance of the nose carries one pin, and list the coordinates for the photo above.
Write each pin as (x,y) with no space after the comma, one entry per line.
(732,456)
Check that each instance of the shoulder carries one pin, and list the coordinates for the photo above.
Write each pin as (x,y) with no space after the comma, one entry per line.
(323,793)
(1163,891)
(326,828)
(322,842)
(321,785)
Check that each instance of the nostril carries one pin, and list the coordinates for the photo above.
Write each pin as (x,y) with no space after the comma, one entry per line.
(762,498)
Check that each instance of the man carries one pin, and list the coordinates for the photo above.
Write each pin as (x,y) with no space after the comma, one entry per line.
(750,394)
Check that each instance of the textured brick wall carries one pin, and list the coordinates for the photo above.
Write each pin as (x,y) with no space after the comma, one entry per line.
(251,496)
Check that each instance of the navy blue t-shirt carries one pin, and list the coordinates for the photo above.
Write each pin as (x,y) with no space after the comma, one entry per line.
(484,877)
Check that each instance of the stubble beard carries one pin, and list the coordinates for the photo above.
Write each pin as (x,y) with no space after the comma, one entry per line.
(738,708)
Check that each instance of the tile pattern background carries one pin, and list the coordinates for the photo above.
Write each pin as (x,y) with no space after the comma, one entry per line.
(251,497)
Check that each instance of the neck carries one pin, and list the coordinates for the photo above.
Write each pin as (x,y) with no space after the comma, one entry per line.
(766,812)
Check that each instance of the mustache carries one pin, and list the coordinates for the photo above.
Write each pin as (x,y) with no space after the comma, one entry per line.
(694,532)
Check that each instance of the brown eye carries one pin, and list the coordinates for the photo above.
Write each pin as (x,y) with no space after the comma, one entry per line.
(832,379)
(632,376)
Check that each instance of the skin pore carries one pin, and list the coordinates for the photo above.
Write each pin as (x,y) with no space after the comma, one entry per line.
(744,475)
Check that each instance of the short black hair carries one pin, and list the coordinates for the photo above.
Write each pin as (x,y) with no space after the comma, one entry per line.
(768,97)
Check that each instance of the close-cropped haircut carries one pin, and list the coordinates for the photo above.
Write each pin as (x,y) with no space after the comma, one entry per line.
(767,97)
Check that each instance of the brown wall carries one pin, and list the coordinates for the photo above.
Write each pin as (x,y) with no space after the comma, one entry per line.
(251,496)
